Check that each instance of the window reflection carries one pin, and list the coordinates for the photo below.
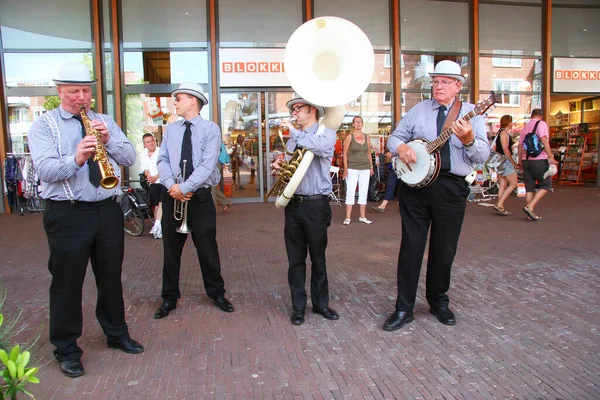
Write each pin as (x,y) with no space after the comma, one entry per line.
(165,67)
(22,112)
(23,69)
(147,113)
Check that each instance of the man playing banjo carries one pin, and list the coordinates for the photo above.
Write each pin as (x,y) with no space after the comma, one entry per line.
(441,203)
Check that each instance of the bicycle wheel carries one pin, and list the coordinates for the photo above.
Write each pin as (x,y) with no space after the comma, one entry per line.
(134,222)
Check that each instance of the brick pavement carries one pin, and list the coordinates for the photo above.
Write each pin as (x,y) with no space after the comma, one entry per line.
(525,294)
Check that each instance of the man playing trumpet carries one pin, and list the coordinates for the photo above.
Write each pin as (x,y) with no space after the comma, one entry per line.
(191,148)
(308,214)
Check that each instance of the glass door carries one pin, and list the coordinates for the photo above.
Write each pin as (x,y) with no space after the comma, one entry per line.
(241,130)
(250,129)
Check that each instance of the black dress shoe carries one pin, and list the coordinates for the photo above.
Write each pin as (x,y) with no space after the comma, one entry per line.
(444,315)
(72,368)
(327,313)
(297,317)
(127,344)
(166,307)
(397,320)
(223,304)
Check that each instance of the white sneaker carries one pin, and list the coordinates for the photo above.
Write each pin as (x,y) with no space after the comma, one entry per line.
(346,221)
(364,220)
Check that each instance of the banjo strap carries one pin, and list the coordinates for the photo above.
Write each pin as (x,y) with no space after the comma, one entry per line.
(452,114)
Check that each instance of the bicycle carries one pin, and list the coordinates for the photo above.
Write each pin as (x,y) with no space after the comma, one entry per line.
(136,208)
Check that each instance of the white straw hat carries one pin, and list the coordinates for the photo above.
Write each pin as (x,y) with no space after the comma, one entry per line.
(297,99)
(448,68)
(193,89)
(74,73)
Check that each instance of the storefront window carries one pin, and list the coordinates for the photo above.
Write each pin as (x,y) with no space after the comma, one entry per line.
(165,67)
(147,113)
(157,25)
(31,24)
(258,23)
(370,16)
(521,28)
(434,26)
(575,31)
(416,82)
(23,69)
(22,112)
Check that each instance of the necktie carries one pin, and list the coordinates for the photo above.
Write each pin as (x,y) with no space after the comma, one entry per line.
(186,151)
(93,167)
(445,150)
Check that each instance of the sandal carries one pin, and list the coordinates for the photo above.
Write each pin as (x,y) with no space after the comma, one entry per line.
(227,206)
(501,211)
(533,216)
(378,209)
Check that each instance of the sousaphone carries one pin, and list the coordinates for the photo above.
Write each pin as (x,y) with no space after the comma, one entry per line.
(329,62)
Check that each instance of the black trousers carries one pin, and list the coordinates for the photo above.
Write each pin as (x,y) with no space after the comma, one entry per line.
(305,231)
(78,233)
(439,208)
(202,219)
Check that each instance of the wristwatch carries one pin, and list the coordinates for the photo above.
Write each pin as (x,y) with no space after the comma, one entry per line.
(471,143)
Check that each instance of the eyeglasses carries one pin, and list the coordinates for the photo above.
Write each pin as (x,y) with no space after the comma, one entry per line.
(442,83)
(181,98)
(297,108)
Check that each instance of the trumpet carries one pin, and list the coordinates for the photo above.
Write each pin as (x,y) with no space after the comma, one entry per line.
(180,207)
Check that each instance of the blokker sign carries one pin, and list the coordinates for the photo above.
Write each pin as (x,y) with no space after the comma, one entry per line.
(576,75)
(252,68)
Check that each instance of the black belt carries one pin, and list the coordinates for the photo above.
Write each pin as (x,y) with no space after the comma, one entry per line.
(202,191)
(300,198)
(80,203)
(452,176)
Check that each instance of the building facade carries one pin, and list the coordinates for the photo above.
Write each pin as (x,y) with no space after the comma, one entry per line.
(141,50)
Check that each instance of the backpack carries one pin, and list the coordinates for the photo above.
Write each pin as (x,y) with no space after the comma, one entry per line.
(223,155)
(532,143)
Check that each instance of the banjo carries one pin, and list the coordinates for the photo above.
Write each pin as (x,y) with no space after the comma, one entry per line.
(427,168)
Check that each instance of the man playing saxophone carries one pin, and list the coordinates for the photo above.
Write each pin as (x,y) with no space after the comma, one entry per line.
(82,220)
(308,214)
(190,147)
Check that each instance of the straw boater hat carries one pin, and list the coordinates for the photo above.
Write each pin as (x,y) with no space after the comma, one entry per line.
(74,73)
(193,89)
(448,68)
(297,99)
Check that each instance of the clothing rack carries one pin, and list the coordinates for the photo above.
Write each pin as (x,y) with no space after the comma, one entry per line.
(34,202)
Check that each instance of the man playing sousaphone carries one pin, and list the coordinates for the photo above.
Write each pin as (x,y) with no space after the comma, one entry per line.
(308,213)
(187,166)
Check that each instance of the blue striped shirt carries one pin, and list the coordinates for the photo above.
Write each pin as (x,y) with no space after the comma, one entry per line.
(206,145)
(317,179)
(53,140)
(420,122)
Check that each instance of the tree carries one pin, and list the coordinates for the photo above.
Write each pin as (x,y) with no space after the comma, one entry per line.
(51,102)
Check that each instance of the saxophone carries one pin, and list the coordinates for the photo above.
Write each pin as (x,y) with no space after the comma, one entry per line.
(109,180)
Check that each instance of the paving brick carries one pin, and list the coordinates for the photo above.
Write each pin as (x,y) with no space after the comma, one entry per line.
(525,294)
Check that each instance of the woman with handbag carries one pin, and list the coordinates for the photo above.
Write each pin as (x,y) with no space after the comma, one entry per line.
(507,171)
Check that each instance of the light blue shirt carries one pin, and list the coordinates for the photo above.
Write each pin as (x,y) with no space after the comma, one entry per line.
(317,179)
(53,140)
(421,123)
(206,145)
